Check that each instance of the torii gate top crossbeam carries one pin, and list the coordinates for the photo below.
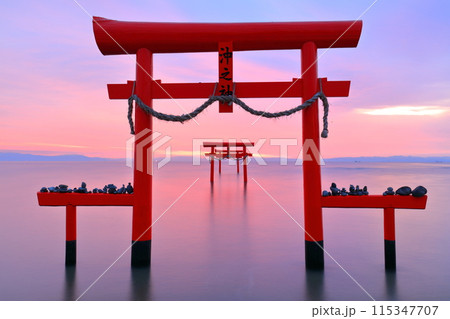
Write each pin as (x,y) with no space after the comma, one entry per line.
(163,37)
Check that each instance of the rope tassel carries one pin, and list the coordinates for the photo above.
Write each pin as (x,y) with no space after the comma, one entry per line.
(227,99)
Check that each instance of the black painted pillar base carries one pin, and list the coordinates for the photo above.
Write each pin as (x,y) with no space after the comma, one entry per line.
(314,254)
(141,253)
(390,262)
(71,252)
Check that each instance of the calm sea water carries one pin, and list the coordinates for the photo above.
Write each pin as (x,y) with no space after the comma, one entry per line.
(226,242)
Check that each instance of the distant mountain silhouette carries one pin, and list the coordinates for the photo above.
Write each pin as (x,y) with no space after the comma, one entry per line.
(392,159)
(18,157)
(11,156)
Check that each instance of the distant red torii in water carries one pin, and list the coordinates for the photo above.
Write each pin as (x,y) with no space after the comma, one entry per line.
(228,150)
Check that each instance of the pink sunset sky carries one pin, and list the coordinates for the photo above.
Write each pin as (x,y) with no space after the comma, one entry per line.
(53,97)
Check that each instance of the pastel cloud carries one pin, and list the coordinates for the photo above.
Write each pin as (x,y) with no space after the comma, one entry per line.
(59,145)
(405,110)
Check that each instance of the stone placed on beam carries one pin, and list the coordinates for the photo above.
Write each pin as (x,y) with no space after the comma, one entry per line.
(419,191)
(403,191)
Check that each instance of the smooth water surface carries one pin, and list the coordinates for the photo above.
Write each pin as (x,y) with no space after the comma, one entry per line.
(225,242)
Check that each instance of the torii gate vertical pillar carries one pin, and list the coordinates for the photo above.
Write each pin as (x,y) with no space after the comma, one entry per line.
(142,208)
(311,168)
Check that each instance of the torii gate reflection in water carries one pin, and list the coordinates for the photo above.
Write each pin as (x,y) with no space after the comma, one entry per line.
(146,38)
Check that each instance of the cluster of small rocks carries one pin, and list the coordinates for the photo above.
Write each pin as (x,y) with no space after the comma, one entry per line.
(419,191)
(107,189)
(353,191)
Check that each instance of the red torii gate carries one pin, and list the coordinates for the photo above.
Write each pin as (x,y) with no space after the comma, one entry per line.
(146,38)
(227,150)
